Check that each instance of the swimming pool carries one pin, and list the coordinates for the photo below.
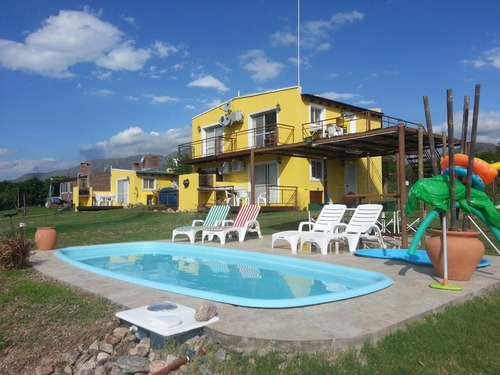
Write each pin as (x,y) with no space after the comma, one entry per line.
(231,276)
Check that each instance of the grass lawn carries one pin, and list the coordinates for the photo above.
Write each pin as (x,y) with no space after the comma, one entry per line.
(41,317)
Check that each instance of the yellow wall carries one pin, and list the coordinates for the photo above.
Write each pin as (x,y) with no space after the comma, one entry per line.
(188,196)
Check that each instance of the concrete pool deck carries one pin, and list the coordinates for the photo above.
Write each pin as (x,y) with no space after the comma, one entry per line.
(335,325)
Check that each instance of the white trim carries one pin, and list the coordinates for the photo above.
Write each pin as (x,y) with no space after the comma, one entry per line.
(311,177)
(149,178)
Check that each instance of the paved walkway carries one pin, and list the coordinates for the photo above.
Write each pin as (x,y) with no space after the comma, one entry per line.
(335,325)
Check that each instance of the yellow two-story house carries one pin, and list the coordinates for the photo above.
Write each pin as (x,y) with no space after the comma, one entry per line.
(282,148)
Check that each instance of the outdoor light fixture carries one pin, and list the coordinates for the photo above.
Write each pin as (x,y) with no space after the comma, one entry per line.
(278,107)
(199,128)
(278,160)
(309,140)
(186,182)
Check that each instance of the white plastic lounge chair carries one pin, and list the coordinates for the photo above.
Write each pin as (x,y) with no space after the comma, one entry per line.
(329,217)
(362,223)
(215,216)
(245,221)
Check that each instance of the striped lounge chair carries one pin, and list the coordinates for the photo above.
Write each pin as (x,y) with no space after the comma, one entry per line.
(245,221)
(215,216)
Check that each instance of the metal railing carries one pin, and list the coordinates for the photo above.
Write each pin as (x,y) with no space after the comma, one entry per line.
(336,126)
(263,136)
(286,196)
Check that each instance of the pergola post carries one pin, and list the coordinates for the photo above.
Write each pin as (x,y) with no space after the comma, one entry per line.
(402,184)
(252,176)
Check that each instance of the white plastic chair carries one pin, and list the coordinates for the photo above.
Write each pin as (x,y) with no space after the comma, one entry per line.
(329,217)
(262,198)
(241,195)
(362,223)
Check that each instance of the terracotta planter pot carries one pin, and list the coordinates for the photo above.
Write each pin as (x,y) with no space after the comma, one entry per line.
(46,238)
(464,253)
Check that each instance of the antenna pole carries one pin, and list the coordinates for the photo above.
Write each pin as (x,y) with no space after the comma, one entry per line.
(298,43)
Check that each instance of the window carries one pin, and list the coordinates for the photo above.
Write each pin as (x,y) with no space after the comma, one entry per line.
(148,183)
(66,187)
(316,170)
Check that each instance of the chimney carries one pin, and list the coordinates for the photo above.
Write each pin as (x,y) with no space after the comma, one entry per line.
(85,168)
(150,162)
(135,166)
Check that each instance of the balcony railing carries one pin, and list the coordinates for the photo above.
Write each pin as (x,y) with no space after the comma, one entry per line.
(352,123)
(263,136)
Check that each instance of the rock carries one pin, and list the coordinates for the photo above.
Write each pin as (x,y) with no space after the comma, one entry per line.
(158,365)
(68,370)
(70,357)
(105,347)
(140,349)
(101,370)
(120,332)
(103,357)
(43,370)
(94,347)
(132,364)
(205,311)
(116,370)
(220,355)
(110,339)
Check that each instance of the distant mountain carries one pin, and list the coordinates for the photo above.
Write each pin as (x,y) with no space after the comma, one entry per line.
(98,166)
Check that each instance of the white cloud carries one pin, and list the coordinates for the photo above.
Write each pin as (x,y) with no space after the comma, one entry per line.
(339,96)
(365,102)
(189,106)
(130,20)
(488,58)
(10,170)
(208,82)
(164,49)
(161,99)
(316,34)
(134,141)
(104,93)
(70,38)
(6,151)
(124,57)
(263,68)
(488,126)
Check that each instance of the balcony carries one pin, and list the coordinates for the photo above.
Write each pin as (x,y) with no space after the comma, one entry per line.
(265,136)
(361,134)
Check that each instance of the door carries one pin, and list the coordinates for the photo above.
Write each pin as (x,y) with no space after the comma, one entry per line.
(350,178)
(213,140)
(265,127)
(266,174)
(122,191)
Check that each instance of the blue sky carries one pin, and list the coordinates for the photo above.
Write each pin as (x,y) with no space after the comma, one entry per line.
(81,80)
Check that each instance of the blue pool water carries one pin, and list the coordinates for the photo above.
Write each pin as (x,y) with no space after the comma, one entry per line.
(225,275)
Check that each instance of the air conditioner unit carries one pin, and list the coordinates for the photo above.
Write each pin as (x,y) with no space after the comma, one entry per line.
(225,120)
(238,166)
(237,116)
(226,167)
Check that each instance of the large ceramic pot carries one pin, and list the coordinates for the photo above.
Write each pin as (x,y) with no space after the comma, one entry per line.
(464,252)
(46,238)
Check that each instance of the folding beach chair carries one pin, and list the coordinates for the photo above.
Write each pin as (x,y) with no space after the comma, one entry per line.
(216,216)
(245,221)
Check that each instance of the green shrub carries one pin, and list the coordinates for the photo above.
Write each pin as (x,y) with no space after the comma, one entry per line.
(15,250)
